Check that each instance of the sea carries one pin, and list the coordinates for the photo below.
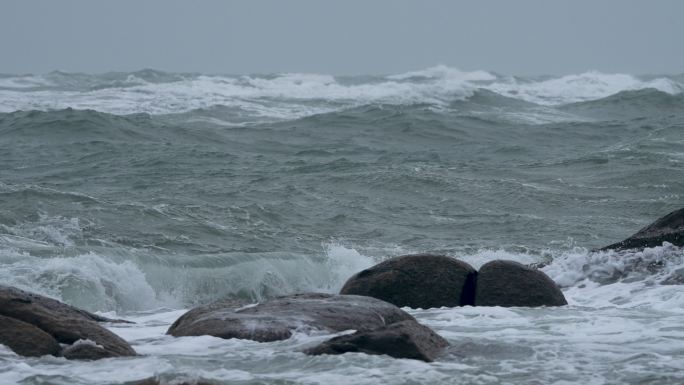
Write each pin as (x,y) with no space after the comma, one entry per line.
(141,194)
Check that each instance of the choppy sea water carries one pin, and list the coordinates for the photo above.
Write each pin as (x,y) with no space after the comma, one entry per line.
(142,194)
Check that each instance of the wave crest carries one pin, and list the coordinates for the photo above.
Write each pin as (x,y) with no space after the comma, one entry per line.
(295,95)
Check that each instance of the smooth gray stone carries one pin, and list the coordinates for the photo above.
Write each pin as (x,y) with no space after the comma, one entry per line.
(277,319)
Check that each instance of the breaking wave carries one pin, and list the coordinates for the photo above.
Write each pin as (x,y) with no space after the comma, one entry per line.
(260,98)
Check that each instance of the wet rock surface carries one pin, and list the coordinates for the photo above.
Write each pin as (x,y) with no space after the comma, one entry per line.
(86,350)
(509,283)
(26,339)
(64,323)
(277,319)
(417,281)
(669,228)
(9,293)
(406,339)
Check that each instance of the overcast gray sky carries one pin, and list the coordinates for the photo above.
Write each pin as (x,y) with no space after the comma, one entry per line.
(522,37)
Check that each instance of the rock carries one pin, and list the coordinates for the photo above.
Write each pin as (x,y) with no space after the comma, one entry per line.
(26,339)
(417,281)
(278,318)
(509,283)
(406,339)
(63,322)
(669,228)
(54,306)
(85,350)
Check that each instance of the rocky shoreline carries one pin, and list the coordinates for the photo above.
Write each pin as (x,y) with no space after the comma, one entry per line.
(369,304)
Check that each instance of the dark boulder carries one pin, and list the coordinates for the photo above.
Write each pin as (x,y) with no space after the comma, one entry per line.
(26,339)
(417,281)
(406,339)
(509,283)
(278,318)
(669,228)
(54,306)
(63,322)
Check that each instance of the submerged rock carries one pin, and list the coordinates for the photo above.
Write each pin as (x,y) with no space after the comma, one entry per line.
(26,339)
(417,281)
(669,228)
(64,323)
(277,319)
(406,339)
(509,283)
(86,350)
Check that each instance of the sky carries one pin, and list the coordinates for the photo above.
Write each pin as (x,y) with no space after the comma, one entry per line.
(346,37)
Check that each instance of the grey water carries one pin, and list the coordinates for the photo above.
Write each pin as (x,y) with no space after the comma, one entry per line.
(141,194)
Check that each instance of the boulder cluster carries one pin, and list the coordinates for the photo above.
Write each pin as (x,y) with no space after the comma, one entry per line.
(380,327)
(34,325)
(369,304)
(426,281)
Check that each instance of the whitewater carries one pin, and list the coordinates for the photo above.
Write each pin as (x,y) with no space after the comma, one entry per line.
(140,195)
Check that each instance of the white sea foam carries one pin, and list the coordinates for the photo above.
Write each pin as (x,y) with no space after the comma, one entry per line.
(278,97)
(89,280)
(291,96)
(443,72)
(125,281)
(47,230)
(578,88)
(25,81)
(623,331)
(622,325)
(259,276)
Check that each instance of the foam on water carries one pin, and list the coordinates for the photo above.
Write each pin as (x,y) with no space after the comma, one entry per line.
(88,281)
(42,257)
(144,216)
(621,325)
(280,97)
(578,88)
(292,96)
(620,332)
(259,276)
(443,72)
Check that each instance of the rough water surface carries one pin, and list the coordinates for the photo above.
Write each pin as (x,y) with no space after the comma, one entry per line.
(142,194)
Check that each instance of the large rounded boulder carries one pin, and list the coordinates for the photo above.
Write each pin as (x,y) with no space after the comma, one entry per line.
(417,281)
(277,319)
(669,228)
(509,283)
(64,323)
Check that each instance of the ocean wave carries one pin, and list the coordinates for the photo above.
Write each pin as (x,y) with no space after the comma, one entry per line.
(295,95)
(44,259)
(74,126)
(134,280)
(631,104)
(590,85)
